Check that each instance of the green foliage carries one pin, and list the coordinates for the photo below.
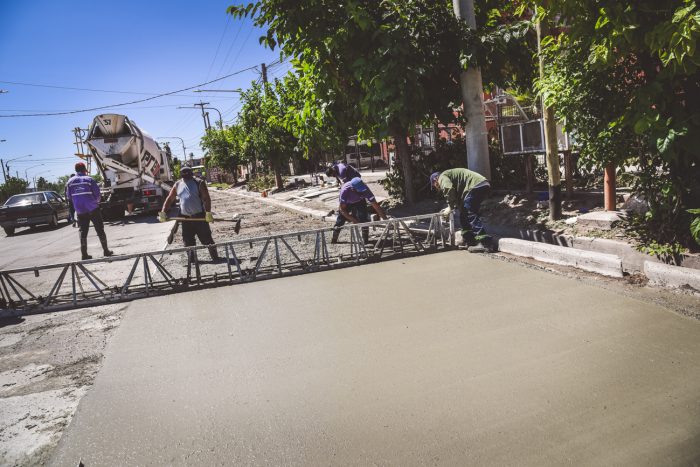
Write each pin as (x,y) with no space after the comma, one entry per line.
(224,148)
(12,186)
(695,225)
(379,68)
(262,181)
(625,77)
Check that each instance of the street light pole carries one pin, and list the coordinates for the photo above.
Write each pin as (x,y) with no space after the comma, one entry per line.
(221,120)
(184,152)
(26,176)
(7,165)
(39,173)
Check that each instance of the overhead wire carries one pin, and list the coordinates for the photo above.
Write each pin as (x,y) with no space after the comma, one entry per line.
(126,103)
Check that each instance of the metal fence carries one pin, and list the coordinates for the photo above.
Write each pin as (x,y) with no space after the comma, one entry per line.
(123,278)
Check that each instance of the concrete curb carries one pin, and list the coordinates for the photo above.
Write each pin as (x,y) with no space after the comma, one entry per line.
(632,259)
(599,263)
(323,215)
(672,276)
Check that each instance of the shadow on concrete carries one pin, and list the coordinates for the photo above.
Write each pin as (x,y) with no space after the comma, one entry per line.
(11,321)
(39,229)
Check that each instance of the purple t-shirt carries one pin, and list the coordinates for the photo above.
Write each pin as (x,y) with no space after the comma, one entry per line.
(84,193)
(349,196)
(346,172)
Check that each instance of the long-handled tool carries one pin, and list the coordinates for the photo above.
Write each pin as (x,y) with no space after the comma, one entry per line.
(173,231)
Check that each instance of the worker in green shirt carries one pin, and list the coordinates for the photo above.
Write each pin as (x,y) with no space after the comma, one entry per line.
(464,191)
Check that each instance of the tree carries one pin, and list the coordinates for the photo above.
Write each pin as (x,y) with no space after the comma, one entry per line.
(624,75)
(42,184)
(12,186)
(224,149)
(379,67)
(392,60)
(260,132)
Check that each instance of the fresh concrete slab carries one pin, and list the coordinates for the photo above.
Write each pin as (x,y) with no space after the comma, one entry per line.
(667,275)
(449,359)
(600,263)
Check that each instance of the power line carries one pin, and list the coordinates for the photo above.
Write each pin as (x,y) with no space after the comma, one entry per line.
(228,21)
(109,91)
(126,103)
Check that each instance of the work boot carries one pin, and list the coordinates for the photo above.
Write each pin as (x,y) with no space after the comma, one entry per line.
(336,234)
(214,254)
(83,249)
(105,249)
(482,246)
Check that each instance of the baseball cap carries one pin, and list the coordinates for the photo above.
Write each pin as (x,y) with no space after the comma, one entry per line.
(434,176)
(185,168)
(80,167)
(358,185)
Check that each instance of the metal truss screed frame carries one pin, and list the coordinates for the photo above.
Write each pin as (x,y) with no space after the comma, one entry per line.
(78,284)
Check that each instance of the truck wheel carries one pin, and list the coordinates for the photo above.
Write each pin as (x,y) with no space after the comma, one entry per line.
(113,213)
(9,231)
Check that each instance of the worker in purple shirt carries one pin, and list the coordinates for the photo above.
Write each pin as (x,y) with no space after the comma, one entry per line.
(342,172)
(354,196)
(84,193)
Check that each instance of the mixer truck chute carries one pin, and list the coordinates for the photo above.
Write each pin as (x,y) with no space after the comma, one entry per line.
(136,171)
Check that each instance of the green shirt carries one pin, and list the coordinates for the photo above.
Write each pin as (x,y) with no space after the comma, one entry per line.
(456,183)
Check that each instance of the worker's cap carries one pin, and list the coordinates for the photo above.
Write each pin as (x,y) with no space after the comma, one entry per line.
(434,176)
(80,167)
(186,168)
(358,185)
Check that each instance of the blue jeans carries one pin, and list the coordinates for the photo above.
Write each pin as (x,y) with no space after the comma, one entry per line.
(470,217)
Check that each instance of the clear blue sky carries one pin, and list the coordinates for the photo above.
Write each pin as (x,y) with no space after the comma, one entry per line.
(128,46)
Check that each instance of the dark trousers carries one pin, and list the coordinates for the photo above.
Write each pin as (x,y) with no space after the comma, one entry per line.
(470,216)
(200,230)
(71,212)
(84,220)
(358,210)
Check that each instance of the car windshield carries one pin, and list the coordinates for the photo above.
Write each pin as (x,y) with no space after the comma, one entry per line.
(28,198)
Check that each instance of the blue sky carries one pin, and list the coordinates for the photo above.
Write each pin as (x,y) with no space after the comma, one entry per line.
(134,47)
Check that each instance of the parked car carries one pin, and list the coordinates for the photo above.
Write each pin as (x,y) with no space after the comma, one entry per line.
(31,209)
(364,160)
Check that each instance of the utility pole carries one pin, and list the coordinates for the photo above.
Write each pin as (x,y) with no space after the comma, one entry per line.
(550,135)
(205,115)
(4,174)
(263,67)
(475,134)
(275,164)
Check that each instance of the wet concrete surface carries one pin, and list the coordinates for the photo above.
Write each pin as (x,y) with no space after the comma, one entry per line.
(449,359)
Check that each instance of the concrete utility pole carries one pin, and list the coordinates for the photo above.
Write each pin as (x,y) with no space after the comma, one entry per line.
(263,67)
(475,135)
(550,136)
(4,174)
(205,115)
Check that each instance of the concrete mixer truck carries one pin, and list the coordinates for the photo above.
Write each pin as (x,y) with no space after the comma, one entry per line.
(137,173)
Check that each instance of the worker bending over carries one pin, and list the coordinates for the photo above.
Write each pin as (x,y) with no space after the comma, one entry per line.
(353,207)
(464,191)
(195,203)
(342,172)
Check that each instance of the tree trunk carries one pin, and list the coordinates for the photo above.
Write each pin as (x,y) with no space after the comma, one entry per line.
(550,136)
(278,176)
(475,132)
(400,135)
